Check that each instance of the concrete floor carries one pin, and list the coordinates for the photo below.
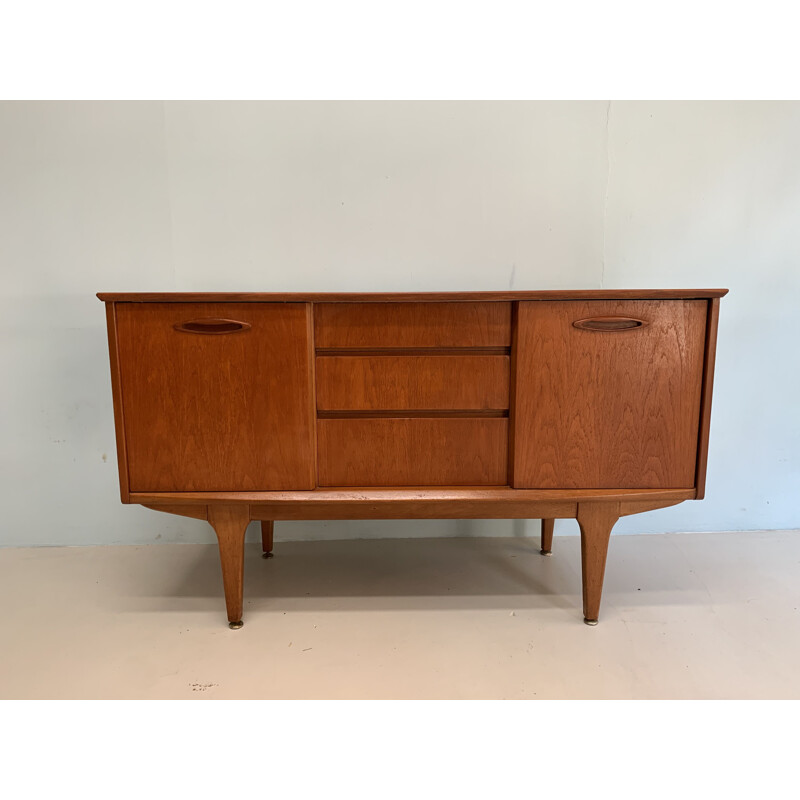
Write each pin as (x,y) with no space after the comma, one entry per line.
(683,616)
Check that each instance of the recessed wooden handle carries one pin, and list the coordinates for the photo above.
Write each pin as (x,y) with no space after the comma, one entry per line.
(212,325)
(609,324)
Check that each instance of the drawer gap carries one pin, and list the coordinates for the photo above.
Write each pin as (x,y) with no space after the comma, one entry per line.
(413,351)
(444,413)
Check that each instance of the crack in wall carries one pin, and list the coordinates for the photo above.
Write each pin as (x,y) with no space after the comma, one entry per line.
(605,197)
(170,214)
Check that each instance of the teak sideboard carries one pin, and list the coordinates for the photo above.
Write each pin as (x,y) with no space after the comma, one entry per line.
(483,405)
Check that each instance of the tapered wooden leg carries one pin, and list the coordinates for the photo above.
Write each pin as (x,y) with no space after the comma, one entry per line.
(230,524)
(596,521)
(267,526)
(547,536)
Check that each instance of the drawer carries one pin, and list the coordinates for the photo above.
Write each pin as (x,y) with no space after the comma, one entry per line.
(382,325)
(412,382)
(412,452)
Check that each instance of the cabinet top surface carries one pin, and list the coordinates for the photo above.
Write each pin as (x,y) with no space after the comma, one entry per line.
(407,297)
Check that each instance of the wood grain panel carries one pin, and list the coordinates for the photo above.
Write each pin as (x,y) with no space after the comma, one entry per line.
(412,452)
(412,382)
(612,409)
(222,412)
(412,324)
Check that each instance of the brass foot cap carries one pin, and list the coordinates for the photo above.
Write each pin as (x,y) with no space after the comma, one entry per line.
(590,621)
(235,625)
(267,555)
(546,552)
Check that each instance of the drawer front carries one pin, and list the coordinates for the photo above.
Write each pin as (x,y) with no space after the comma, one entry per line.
(383,325)
(608,394)
(217,406)
(412,452)
(412,382)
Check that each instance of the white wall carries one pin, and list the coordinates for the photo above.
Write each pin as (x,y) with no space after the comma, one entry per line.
(387,196)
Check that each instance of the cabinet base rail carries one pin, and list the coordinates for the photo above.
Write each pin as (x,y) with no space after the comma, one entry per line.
(596,511)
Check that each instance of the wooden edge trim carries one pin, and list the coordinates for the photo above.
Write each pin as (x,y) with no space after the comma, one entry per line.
(709,359)
(193,511)
(116,394)
(408,509)
(409,297)
(475,509)
(500,494)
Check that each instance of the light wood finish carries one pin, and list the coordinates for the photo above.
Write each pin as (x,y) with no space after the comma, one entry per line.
(386,325)
(116,392)
(500,503)
(412,452)
(351,496)
(267,530)
(597,409)
(215,413)
(596,521)
(230,524)
(708,385)
(547,536)
(406,297)
(412,382)
(303,406)
(468,507)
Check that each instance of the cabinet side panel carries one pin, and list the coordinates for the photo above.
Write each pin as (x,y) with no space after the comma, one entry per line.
(312,394)
(708,385)
(229,412)
(599,408)
(116,392)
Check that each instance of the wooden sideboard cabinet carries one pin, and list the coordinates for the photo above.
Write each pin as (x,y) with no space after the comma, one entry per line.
(484,405)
